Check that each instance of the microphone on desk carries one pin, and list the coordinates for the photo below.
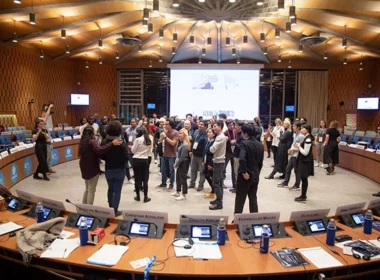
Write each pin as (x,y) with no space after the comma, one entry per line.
(155,234)
(88,213)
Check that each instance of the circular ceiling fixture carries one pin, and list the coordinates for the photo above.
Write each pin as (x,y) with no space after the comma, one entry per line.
(313,40)
(129,41)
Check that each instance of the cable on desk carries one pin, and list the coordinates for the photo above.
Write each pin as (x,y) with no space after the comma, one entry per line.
(304,268)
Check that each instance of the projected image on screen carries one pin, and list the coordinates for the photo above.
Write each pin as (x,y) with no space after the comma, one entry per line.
(209,92)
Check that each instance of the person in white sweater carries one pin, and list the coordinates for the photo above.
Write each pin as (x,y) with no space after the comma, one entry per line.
(140,151)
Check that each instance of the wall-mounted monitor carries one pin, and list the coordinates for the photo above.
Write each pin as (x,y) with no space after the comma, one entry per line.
(151,106)
(80,99)
(368,103)
(289,108)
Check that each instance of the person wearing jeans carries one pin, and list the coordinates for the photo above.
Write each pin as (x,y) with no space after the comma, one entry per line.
(197,152)
(219,151)
(182,165)
(236,143)
(319,140)
(115,159)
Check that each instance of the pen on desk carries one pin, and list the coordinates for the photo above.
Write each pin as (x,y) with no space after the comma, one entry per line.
(201,259)
(64,252)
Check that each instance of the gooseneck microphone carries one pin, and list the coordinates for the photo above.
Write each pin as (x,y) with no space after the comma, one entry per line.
(155,233)
(88,213)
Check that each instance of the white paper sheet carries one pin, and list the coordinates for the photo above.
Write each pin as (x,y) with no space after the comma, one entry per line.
(319,257)
(207,252)
(61,248)
(9,227)
(66,234)
(108,255)
(180,251)
(139,263)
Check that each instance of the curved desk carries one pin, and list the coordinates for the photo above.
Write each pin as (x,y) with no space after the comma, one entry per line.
(240,260)
(16,167)
(359,161)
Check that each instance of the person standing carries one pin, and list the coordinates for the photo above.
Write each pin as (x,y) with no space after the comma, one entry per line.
(208,163)
(305,160)
(90,122)
(331,154)
(258,128)
(130,132)
(40,135)
(250,164)
(182,165)
(319,140)
(236,144)
(276,138)
(115,159)
(231,138)
(103,128)
(268,140)
(96,119)
(219,151)
(89,151)
(169,138)
(140,150)
(197,151)
(48,119)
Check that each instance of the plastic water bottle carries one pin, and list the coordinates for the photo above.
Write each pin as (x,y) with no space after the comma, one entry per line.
(264,242)
(221,232)
(368,219)
(148,266)
(40,213)
(83,232)
(331,231)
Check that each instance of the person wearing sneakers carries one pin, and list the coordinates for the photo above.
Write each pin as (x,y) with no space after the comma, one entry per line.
(207,162)
(236,143)
(250,164)
(140,150)
(40,136)
(320,138)
(219,151)
(305,160)
(182,165)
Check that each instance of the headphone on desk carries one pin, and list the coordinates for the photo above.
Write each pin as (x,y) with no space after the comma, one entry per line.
(186,246)
(366,257)
(122,243)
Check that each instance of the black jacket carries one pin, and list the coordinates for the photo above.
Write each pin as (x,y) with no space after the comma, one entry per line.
(251,158)
(239,140)
(201,139)
(116,157)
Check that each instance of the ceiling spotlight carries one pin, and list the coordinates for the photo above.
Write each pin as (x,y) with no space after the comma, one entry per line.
(209,41)
(345,60)
(156,6)
(42,55)
(279,58)
(288,27)
(325,56)
(277,33)
(233,51)
(139,48)
(203,51)
(17,1)
(200,60)
(232,1)
(63,34)
(174,50)
(292,11)
(160,58)
(67,49)
(260,3)
(146,13)
(150,64)
(87,66)
(245,39)
(344,42)
(14,40)
(228,41)
(293,21)
(175,3)
(281,5)
(290,64)
(300,48)
(100,60)
(100,44)
(150,27)
(117,55)
(201,1)
(262,37)
(161,33)
(192,39)
(175,37)
(265,50)
(238,60)
(32,18)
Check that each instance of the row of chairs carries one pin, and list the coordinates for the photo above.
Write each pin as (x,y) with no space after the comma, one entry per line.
(63,133)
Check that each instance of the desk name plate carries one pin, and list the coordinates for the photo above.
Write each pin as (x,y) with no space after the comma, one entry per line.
(374,203)
(257,218)
(26,196)
(193,219)
(308,215)
(145,216)
(96,211)
(349,208)
(51,203)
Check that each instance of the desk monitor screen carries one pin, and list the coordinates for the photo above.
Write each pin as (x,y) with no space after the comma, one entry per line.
(358,219)
(316,226)
(258,229)
(13,204)
(89,221)
(46,212)
(289,108)
(138,228)
(202,232)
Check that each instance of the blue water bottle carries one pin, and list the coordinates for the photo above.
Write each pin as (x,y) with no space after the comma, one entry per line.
(148,266)
(40,213)
(83,232)
(331,231)
(264,242)
(221,232)
(368,219)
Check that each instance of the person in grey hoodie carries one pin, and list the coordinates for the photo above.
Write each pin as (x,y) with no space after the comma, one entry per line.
(219,151)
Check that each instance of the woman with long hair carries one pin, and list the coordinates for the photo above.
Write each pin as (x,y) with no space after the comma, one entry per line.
(305,160)
(150,152)
(40,135)
(276,138)
(140,150)
(208,164)
(89,151)
(182,165)
(269,138)
(331,154)
(320,138)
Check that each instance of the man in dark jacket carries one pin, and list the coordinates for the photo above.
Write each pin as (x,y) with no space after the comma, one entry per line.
(236,153)
(250,164)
